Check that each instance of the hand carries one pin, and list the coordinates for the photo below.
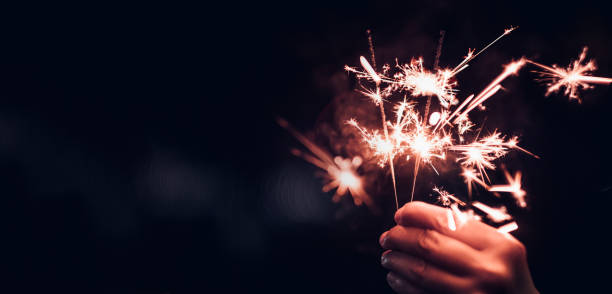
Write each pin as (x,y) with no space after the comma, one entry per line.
(424,255)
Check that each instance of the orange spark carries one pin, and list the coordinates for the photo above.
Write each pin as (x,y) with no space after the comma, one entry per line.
(415,79)
(427,138)
(434,118)
(341,173)
(496,215)
(513,187)
(492,88)
(507,228)
(446,199)
(450,219)
(343,177)
(470,177)
(576,76)
(481,153)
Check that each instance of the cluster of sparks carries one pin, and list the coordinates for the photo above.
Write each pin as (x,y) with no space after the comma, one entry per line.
(428,139)
(340,173)
(576,76)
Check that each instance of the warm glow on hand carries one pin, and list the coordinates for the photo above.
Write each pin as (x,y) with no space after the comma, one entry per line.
(425,253)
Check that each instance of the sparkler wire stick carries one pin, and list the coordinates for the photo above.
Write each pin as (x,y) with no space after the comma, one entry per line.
(391,156)
(427,106)
(416,172)
(377,80)
(436,62)
(471,57)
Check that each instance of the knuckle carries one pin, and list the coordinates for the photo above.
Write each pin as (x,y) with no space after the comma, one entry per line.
(515,250)
(467,285)
(427,241)
(519,249)
(441,223)
(393,238)
(392,235)
(419,270)
(493,276)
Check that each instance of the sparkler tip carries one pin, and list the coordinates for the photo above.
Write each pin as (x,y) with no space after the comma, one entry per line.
(434,118)
(368,68)
(510,29)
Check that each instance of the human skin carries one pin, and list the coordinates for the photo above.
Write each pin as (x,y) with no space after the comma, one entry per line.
(424,255)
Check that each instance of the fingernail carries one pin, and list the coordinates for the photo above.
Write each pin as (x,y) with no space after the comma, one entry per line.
(383,238)
(398,216)
(384,259)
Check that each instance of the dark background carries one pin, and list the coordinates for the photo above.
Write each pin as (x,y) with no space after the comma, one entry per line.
(139,151)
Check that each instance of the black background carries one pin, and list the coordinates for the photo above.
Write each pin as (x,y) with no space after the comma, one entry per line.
(139,151)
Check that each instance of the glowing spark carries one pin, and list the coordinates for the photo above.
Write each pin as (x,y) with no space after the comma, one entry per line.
(343,177)
(576,76)
(490,90)
(385,149)
(470,177)
(450,220)
(415,79)
(341,173)
(434,118)
(462,217)
(366,65)
(513,187)
(507,228)
(481,153)
(496,215)
(457,218)
(446,199)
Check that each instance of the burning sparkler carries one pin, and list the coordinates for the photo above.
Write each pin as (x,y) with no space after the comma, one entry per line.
(424,142)
(497,215)
(513,187)
(429,138)
(576,76)
(341,173)
(481,153)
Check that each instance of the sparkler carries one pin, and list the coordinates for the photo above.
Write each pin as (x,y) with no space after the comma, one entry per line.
(425,142)
(341,174)
(496,215)
(576,76)
(481,153)
(432,139)
(513,187)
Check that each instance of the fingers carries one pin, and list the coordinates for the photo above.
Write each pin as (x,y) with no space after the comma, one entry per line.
(416,274)
(474,233)
(400,285)
(431,246)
